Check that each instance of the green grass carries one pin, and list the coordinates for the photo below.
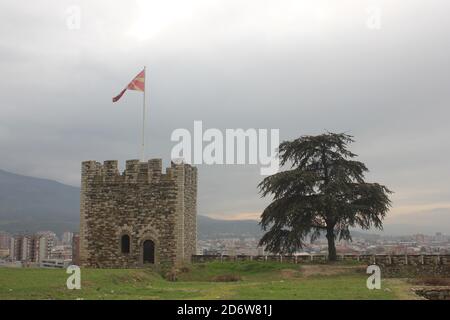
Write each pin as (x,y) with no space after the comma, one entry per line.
(247,270)
(259,280)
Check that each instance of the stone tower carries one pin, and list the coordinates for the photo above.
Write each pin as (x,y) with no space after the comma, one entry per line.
(138,218)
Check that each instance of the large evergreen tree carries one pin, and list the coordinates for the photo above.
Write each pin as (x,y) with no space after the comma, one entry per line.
(324,192)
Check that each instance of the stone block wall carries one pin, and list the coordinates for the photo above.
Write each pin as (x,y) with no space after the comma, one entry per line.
(143,203)
(190,209)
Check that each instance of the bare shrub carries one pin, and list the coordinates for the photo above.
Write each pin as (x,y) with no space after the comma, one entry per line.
(185,269)
(171,275)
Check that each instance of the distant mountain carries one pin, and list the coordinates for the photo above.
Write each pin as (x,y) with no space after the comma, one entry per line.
(209,228)
(426,222)
(30,204)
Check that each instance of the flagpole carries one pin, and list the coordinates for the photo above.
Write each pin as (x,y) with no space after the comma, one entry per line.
(143,122)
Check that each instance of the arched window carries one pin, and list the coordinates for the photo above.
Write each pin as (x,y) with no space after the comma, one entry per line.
(125,244)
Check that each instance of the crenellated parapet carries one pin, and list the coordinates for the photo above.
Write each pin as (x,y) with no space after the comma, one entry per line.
(137,172)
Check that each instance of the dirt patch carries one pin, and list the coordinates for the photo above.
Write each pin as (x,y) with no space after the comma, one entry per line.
(431,281)
(227,278)
(330,270)
(290,273)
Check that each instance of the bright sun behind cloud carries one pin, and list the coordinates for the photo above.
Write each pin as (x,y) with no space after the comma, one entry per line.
(269,18)
(156,16)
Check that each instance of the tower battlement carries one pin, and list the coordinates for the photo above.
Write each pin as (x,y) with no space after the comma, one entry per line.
(135,172)
(137,217)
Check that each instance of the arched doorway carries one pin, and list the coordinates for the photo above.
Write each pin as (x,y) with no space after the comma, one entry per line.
(148,251)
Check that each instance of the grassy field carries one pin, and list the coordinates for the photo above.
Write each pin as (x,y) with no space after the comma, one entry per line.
(245,280)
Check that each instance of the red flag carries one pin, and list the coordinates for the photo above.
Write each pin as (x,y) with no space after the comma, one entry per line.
(138,84)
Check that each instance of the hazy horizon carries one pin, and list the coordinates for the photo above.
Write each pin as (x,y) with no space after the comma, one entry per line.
(429,226)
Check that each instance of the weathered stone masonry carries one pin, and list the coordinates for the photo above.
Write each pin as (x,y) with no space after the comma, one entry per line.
(142,204)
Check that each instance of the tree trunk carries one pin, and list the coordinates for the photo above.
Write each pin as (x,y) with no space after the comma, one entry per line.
(331,245)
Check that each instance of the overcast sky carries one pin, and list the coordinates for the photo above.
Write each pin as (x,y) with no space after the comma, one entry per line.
(303,67)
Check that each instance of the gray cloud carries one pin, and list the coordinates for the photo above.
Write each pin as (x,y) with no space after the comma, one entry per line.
(300,67)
